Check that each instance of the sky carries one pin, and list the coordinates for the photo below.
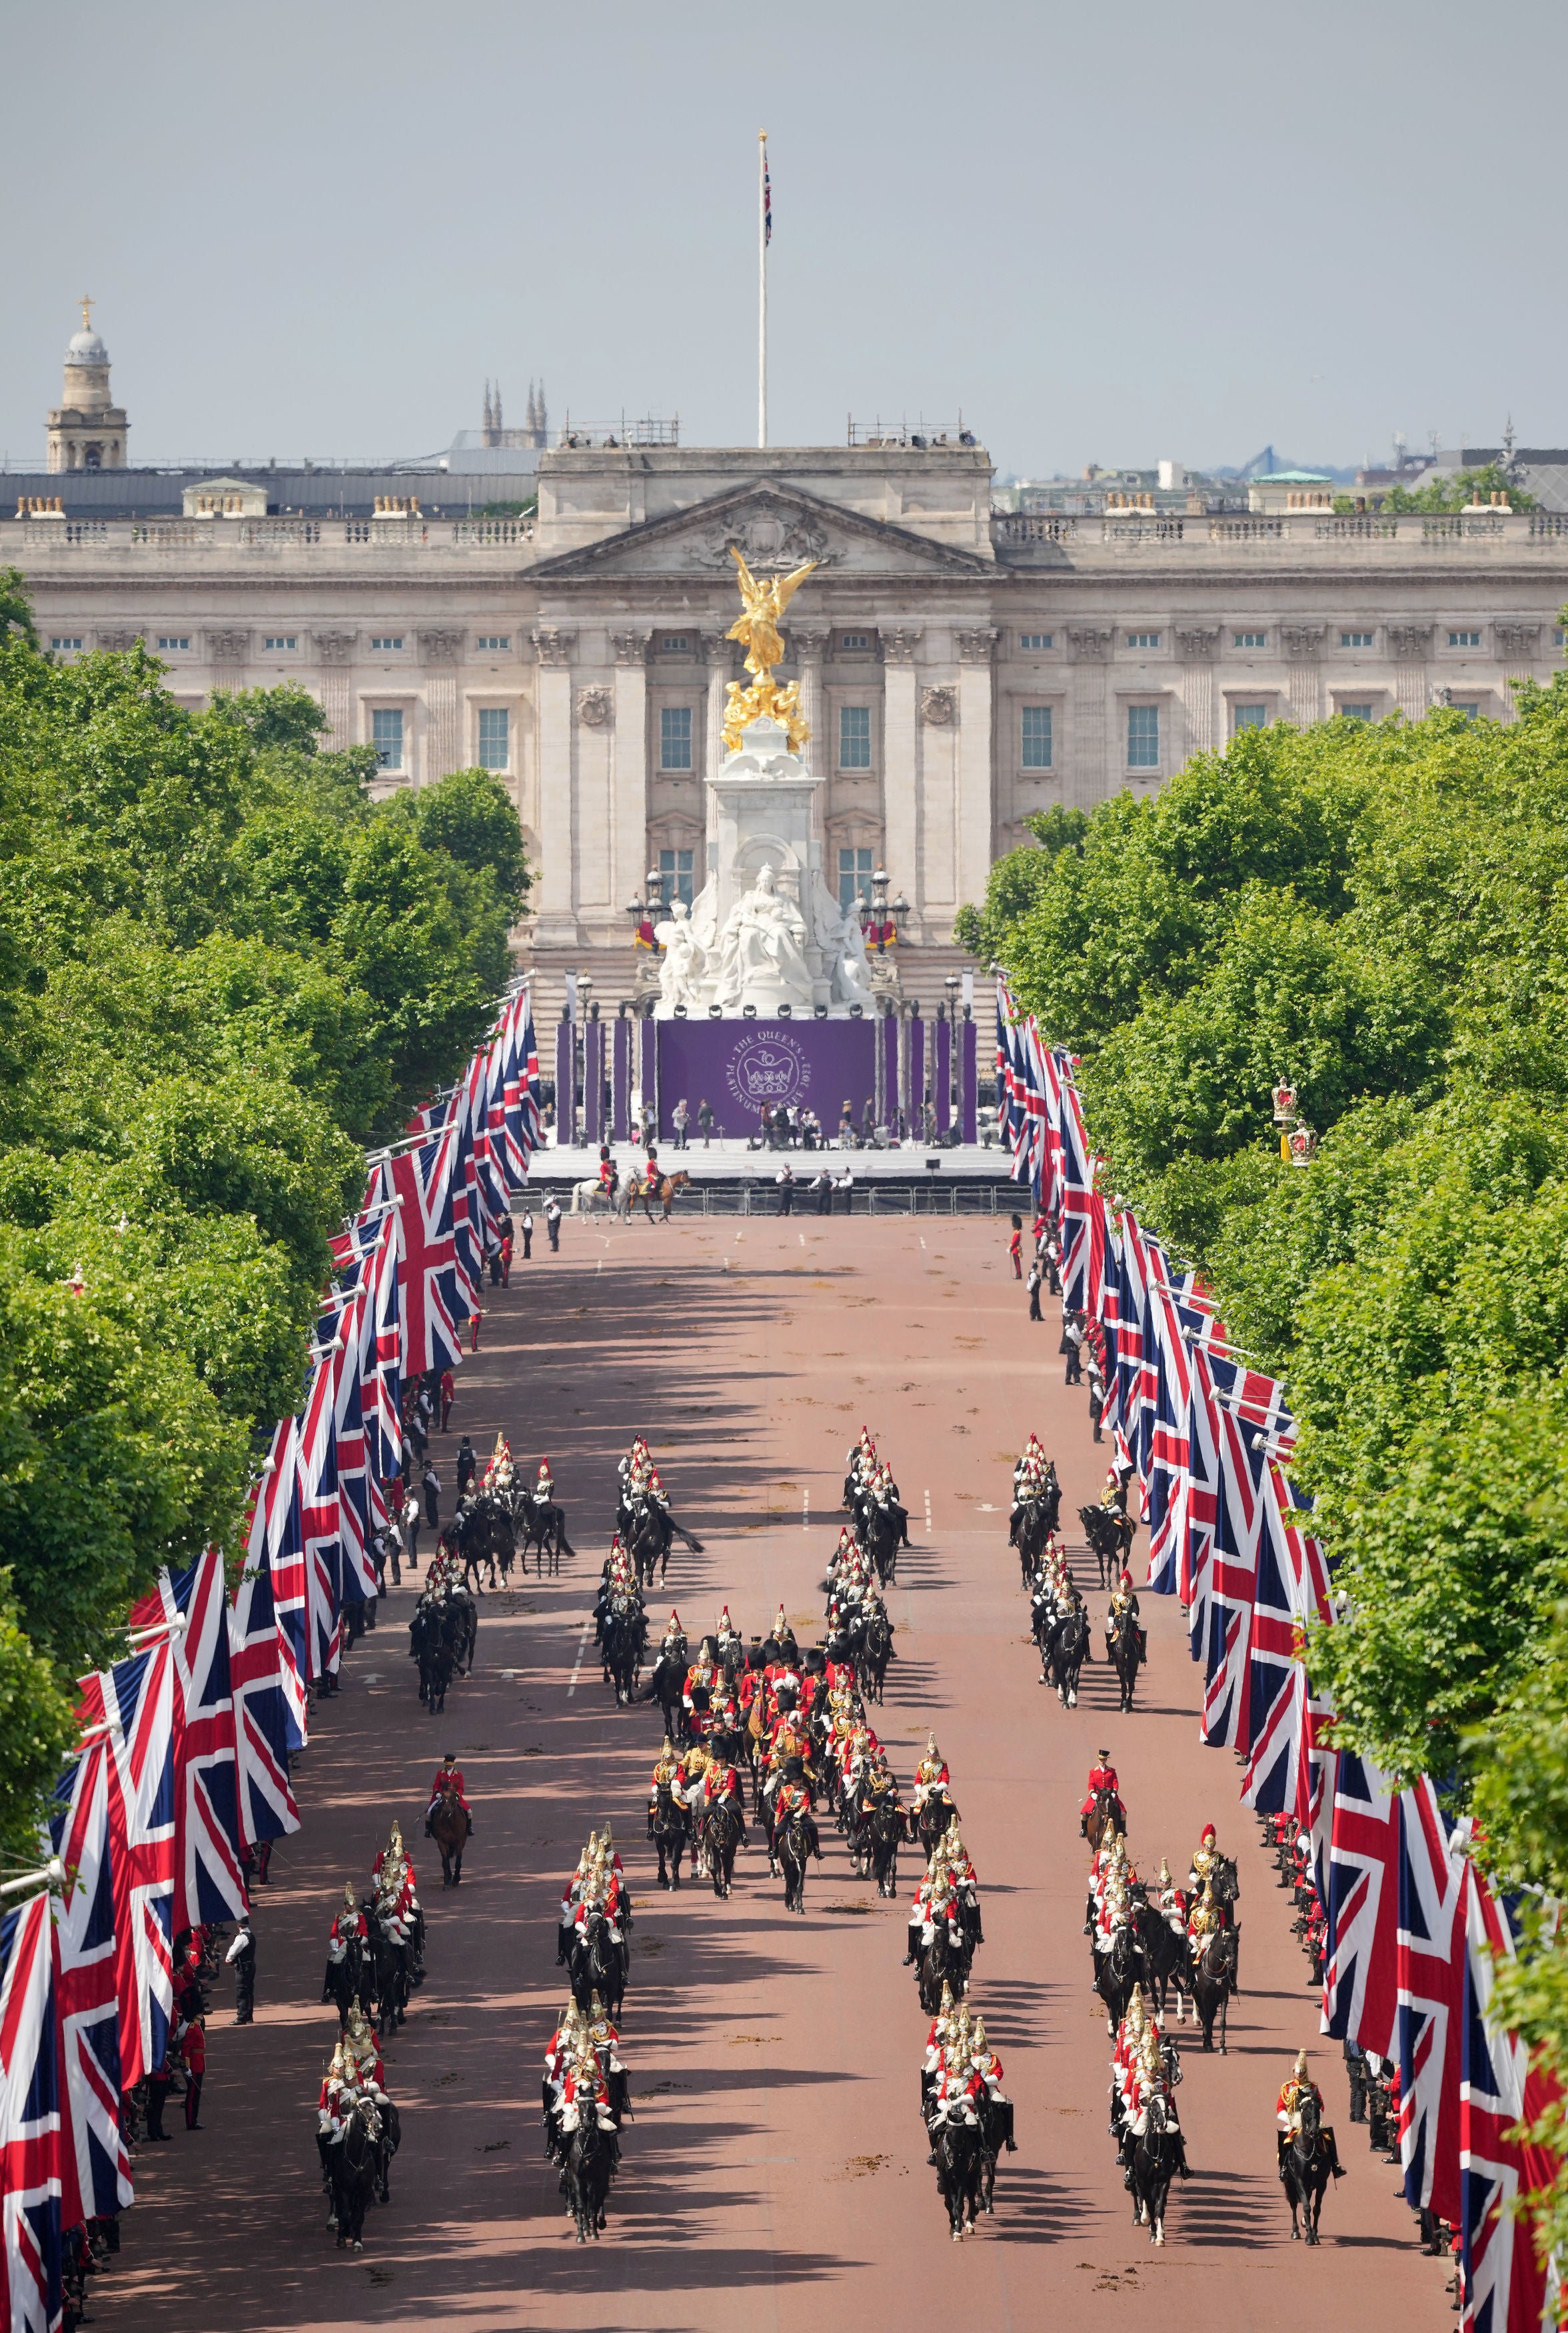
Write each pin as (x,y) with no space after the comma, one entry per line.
(1110,234)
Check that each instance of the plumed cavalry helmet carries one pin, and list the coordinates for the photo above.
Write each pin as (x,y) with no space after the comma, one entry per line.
(1135,2008)
(350,1903)
(1300,2069)
(1164,1873)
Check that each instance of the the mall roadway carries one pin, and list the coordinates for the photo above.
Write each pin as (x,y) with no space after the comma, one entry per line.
(775,2174)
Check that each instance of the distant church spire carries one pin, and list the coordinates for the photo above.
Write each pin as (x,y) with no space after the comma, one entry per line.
(531,416)
(489,421)
(541,419)
(497,409)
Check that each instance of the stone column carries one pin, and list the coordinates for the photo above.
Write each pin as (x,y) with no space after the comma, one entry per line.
(1303,644)
(226,654)
(444,744)
(1411,645)
(1090,777)
(900,776)
(810,643)
(629,764)
(1197,646)
(975,760)
(557,921)
(336,650)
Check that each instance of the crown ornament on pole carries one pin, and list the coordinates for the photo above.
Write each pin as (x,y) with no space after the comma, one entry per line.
(758,628)
(1302,1145)
(1284,1103)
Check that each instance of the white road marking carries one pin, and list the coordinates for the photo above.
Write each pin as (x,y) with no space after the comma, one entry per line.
(928,1512)
(581,1644)
(922,1239)
(805,1510)
(802,1237)
(726,1264)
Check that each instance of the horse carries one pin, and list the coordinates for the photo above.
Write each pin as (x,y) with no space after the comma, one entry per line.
(934,1817)
(1034,1521)
(666,1684)
(1213,1980)
(649,1532)
(1116,1972)
(1069,1649)
(391,2140)
(668,1829)
(543,1527)
(1306,2165)
(790,1846)
(955,2142)
(720,1838)
(1165,1959)
(1110,1535)
(448,1827)
(883,1831)
(648,1187)
(887,1530)
(1154,2160)
(944,1960)
(589,1198)
(346,1981)
(391,1978)
(596,1964)
(1125,1646)
(624,1642)
(996,2131)
(871,1663)
(590,2167)
(485,1534)
(1105,1816)
(353,2161)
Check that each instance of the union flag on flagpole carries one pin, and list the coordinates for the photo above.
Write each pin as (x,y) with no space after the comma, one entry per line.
(31,2142)
(209,1884)
(133,1705)
(95,2168)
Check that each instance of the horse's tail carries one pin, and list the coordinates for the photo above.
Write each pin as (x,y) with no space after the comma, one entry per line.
(690,1538)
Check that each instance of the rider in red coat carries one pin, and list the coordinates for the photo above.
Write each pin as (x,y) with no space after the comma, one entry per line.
(447,1772)
(1102,1777)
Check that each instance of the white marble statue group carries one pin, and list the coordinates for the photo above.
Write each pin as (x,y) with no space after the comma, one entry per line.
(762,955)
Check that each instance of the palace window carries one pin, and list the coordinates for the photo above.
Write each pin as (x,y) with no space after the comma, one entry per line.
(675,644)
(675,737)
(1470,709)
(287,642)
(1249,639)
(1035,639)
(386,640)
(1355,639)
(1463,640)
(855,736)
(853,878)
(1143,640)
(854,643)
(1249,716)
(170,640)
(1035,752)
(386,736)
(494,737)
(1356,712)
(499,643)
(675,867)
(1142,737)
(68,642)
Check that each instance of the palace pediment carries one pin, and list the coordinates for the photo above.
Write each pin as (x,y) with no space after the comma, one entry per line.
(773,526)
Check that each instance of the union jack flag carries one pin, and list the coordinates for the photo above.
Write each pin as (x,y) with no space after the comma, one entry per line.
(1507,2289)
(319,1533)
(357,1495)
(1166,1464)
(381,1359)
(1430,1975)
(267,1801)
(427,1272)
(1079,1198)
(277,1541)
(133,1705)
(30,2143)
(1361,1976)
(1132,1371)
(95,2168)
(209,1884)
(1248,1409)
(524,1107)
(1292,1591)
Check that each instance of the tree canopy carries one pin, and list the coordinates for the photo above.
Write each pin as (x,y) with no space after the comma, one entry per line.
(1378,913)
(224,971)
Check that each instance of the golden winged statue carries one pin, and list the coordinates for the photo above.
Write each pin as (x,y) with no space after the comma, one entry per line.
(758,628)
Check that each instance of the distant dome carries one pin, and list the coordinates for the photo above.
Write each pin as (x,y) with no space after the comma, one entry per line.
(84,349)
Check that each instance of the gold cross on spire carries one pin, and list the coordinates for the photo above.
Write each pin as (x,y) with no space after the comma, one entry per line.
(86,313)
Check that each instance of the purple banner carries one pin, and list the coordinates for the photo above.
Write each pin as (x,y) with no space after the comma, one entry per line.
(738,1066)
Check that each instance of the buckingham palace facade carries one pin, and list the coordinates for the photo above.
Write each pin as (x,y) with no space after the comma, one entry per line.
(958,668)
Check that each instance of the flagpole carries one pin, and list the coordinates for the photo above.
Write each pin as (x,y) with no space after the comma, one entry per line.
(762,288)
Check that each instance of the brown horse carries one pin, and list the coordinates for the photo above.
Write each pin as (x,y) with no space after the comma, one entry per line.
(1105,1817)
(449,1829)
(649,1187)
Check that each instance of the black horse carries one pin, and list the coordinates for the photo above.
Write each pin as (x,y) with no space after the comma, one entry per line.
(1308,2165)
(391,1977)
(485,1536)
(1165,1959)
(1116,1972)
(626,1634)
(668,1829)
(955,2141)
(1213,1981)
(353,2166)
(347,1980)
(591,2165)
(648,1530)
(792,1847)
(1068,1645)
(667,1684)
(720,1838)
(542,1526)
(391,2139)
(885,1827)
(934,1818)
(596,1964)
(430,1644)
(944,1960)
(1127,1650)
(1110,1535)
(1155,2158)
